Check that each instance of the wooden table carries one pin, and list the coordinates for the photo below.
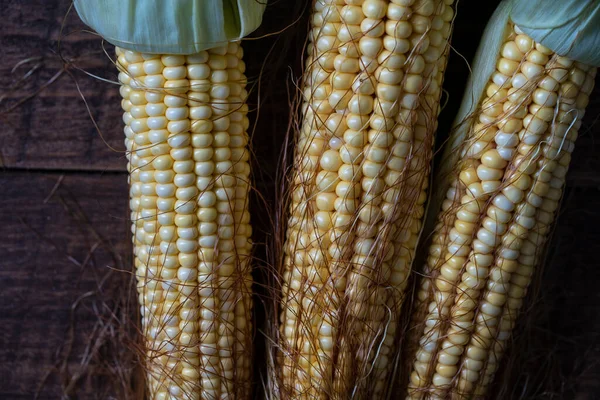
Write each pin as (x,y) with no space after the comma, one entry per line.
(64,248)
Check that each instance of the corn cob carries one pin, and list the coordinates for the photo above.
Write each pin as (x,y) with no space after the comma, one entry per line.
(496,216)
(186,138)
(183,88)
(578,89)
(371,98)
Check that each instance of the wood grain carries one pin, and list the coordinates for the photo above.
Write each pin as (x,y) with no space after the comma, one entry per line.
(63,191)
(53,130)
(61,234)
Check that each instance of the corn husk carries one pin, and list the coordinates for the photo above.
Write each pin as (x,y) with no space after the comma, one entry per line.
(570,28)
(171,26)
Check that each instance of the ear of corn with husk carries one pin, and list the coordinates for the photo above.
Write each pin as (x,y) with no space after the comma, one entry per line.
(184,92)
(503,178)
(371,93)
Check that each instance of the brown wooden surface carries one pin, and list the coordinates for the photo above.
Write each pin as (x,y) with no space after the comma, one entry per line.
(59,233)
(53,130)
(63,195)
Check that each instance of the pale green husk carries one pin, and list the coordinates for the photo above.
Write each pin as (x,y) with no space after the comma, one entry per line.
(171,26)
(570,28)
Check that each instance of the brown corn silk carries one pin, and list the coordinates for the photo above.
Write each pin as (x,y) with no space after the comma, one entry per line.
(371,94)
(495,219)
(185,127)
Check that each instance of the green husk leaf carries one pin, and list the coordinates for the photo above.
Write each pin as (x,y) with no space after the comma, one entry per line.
(570,28)
(171,26)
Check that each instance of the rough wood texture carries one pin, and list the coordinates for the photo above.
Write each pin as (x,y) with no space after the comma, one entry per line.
(53,130)
(44,243)
(61,234)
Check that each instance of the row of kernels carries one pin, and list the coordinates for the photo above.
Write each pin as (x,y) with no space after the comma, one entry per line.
(238,140)
(211,155)
(519,282)
(521,267)
(160,106)
(152,296)
(369,24)
(353,86)
(516,99)
(390,74)
(492,302)
(431,311)
(183,233)
(489,171)
(434,52)
(312,364)
(324,49)
(361,39)
(143,281)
